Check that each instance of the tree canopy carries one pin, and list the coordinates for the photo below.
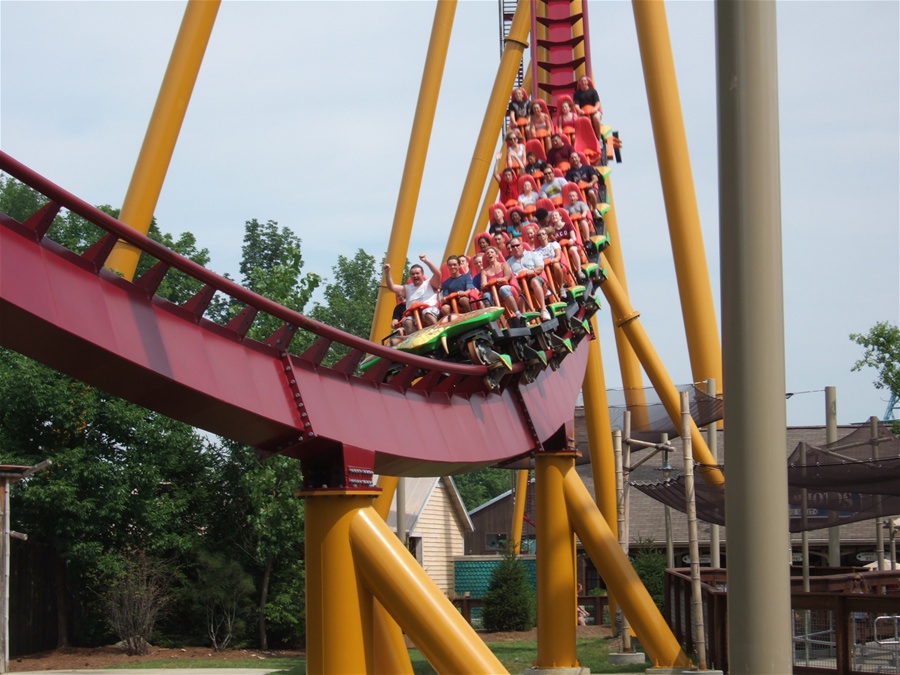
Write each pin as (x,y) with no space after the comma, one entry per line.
(882,345)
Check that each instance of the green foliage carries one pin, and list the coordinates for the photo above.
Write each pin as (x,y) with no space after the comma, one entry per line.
(272,266)
(350,299)
(221,596)
(17,200)
(650,565)
(285,611)
(274,543)
(509,600)
(882,344)
(479,487)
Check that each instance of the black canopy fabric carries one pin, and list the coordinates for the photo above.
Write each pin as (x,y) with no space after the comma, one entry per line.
(649,417)
(856,478)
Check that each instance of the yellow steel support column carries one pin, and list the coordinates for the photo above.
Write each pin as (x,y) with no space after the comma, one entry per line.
(596,412)
(483,156)
(616,570)
(626,317)
(629,365)
(391,654)
(557,606)
(519,510)
(599,431)
(492,189)
(701,328)
(162,133)
(339,636)
(411,182)
(448,642)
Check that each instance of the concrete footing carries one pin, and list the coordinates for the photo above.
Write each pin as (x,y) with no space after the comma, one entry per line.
(557,671)
(626,658)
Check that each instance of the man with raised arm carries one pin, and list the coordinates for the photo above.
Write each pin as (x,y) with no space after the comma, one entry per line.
(419,290)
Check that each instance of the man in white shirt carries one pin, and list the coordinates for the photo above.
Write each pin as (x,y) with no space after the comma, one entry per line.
(419,290)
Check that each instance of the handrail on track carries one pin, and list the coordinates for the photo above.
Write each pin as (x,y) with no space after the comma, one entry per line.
(290,317)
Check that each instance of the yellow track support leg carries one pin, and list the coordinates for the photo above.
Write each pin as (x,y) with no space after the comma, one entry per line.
(613,565)
(405,590)
(339,636)
(557,606)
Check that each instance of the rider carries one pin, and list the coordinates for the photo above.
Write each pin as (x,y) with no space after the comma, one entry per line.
(419,290)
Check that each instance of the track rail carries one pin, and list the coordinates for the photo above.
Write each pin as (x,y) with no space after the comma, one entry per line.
(408,415)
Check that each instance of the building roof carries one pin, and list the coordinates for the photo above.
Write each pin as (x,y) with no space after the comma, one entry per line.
(418,493)
(647,516)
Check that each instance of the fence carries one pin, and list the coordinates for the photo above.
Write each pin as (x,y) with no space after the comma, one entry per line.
(597,607)
(834,631)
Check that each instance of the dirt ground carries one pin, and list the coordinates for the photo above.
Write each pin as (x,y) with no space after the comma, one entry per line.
(102,657)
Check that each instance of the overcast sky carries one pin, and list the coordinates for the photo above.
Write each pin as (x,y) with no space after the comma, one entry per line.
(302,113)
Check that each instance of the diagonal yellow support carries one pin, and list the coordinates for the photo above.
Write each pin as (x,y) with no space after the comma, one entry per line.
(162,132)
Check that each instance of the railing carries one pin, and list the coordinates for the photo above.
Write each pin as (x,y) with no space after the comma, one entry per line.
(834,631)
(597,607)
(212,282)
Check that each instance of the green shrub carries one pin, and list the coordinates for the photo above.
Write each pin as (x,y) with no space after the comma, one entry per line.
(650,564)
(509,601)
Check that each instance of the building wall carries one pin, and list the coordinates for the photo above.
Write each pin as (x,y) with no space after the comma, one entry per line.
(492,527)
(442,538)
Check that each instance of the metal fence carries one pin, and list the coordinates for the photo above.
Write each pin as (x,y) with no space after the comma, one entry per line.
(834,631)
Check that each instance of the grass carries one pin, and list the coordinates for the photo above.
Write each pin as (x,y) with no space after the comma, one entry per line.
(516,656)
(294,666)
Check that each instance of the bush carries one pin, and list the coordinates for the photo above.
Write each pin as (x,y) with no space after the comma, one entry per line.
(509,600)
(650,564)
(222,596)
(136,596)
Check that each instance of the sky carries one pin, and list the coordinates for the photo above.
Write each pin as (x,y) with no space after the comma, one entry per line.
(302,113)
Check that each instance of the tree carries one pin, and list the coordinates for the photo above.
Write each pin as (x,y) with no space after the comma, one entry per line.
(650,565)
(882,344)
(350,298)
(507,603)
(122,478)
(275,520)
(272,266)
(134,599)
(220,594)
(478,487)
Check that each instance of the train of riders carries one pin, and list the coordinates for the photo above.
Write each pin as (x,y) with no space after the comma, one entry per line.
(551,203)
(525,274)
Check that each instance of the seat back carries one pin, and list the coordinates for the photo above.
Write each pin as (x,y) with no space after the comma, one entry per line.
(586,141)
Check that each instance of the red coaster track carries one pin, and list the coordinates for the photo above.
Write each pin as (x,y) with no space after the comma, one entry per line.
(68,312)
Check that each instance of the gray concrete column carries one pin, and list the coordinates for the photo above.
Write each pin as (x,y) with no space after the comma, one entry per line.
(759,616)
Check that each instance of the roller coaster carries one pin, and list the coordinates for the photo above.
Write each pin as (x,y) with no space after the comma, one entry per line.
(485,393)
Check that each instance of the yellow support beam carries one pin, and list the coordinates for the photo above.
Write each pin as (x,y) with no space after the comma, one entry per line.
(411,182)
(626,317)
(519,510)
(483,156)
(688,252)
(613,565)
(162,132)
(339,635)
(557,606)
(397,580)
